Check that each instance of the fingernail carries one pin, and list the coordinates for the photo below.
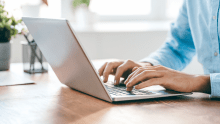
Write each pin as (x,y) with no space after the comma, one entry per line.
(115,82)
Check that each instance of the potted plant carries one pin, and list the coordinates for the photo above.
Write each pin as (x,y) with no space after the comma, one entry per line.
(77,3)
(7,31)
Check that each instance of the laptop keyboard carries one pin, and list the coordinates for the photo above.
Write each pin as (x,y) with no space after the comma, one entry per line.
(120,90)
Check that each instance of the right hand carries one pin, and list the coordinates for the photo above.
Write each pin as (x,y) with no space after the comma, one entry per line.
(119,69)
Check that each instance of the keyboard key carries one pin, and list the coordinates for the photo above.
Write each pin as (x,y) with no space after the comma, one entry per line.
(121,90)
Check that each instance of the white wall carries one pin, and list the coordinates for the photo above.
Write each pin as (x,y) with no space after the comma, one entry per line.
(123,45)
(103,45)
(16,49)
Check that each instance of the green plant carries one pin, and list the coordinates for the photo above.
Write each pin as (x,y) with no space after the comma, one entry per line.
(7,25)
(77,3)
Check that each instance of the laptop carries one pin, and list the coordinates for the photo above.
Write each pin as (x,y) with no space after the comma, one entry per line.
(63,51)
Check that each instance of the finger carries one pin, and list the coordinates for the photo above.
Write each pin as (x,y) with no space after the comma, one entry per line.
(107,71)
(129,88)
(145,75)
(101,70)
(120,70)
(151,82)
(134,69)
(139,70)
(127,65)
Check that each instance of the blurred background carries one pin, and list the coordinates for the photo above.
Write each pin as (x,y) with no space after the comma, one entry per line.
(121,29)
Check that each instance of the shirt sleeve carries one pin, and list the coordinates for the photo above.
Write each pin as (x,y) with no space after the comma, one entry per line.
(178,50)
(215,84)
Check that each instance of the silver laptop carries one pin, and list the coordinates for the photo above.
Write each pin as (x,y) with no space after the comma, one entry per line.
(63,51)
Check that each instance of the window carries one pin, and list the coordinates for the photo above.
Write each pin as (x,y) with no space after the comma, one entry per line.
(136,10)
(120,7)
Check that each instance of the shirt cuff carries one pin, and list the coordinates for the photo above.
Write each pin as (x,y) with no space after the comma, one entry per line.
(150,60)
(215,85)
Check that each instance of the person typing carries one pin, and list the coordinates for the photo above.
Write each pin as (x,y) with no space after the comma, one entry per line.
(195,32)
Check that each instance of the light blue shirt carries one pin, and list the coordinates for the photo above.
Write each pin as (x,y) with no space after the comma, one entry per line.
(195,32)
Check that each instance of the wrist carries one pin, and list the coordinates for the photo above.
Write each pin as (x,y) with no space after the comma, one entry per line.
(202,84)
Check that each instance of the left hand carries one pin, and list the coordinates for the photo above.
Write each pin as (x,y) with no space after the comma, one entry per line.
(168,78)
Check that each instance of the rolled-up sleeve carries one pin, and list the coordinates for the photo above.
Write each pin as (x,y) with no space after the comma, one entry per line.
(215,84)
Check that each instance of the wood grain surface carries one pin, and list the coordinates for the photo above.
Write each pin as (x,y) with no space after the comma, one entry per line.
(50,102)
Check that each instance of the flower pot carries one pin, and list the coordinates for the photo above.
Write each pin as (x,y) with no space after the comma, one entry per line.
(5,54)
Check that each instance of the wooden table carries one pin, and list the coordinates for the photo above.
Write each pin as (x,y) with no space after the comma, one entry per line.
(48,101)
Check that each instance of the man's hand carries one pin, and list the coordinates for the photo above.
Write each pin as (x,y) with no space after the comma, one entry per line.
(168,78)
(119,69)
